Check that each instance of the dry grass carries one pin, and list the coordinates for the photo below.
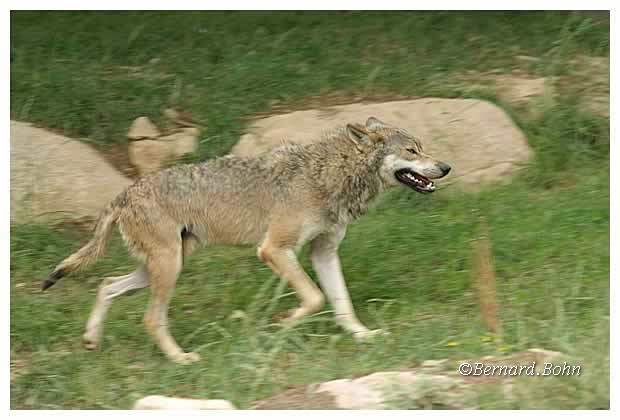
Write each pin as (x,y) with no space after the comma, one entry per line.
(484,278)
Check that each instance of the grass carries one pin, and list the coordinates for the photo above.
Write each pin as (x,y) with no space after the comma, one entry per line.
(90,74)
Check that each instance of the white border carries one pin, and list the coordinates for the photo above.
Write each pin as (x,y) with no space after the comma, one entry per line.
(308,5)
(312,5)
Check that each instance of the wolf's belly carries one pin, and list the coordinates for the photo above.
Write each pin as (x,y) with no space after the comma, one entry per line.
(233,227)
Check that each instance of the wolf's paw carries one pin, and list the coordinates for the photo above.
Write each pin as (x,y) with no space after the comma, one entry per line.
(281,316)
(185,358)
(90,341)
(286,318)
(368,334)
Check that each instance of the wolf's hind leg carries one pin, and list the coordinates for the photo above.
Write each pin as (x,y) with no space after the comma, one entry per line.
(110,288)
(164,266)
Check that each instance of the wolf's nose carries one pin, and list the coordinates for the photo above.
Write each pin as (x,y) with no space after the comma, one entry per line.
(445,168)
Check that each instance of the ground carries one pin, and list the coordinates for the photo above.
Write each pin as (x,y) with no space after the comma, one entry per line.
(408,263)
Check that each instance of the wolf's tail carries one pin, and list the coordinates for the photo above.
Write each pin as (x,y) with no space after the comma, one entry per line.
(90,252)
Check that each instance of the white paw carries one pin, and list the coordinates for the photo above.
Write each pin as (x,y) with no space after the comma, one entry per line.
(368,334)
(185,358)
(90,341)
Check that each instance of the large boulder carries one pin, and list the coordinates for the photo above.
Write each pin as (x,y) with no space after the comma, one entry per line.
(58,179)
(477,138)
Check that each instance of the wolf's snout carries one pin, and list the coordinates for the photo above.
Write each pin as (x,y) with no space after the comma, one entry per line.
(445,168)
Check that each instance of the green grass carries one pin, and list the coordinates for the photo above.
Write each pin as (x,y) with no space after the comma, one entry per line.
(408,263)
(91,74)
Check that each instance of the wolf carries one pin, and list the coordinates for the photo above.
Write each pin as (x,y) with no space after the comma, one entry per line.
(277,201)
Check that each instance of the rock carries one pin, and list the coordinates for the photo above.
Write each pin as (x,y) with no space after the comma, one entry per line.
(352,395)
(158,402)
(434,384)
(477,138)
(156,151)
(142,128)
(409,389)
(58,179)
(150,155)
(185,141)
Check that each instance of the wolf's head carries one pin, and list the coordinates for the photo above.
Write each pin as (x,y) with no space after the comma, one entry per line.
(403,159)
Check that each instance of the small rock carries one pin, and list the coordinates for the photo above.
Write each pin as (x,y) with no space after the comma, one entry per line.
(184,141)
(191,131)
(185,145)
(150,155)
(142,128)
(159,402)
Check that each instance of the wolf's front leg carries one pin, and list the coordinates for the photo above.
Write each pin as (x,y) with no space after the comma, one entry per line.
(326,263)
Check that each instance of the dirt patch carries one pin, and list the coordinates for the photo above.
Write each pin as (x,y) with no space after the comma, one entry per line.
(584,76)
(298,398)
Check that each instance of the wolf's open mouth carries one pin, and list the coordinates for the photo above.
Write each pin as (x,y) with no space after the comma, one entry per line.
(414,180)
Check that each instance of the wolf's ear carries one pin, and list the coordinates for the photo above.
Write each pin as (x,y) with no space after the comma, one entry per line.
(374,123)
(358,134)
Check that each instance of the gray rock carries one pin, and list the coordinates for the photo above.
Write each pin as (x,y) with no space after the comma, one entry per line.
(149,156)
(434,384)
(58,179)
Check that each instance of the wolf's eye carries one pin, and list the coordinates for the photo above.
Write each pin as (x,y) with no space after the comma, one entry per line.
(412,151)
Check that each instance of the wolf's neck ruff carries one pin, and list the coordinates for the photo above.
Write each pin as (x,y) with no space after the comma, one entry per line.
(344,176)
